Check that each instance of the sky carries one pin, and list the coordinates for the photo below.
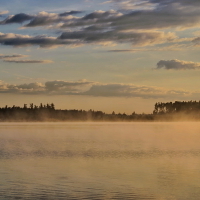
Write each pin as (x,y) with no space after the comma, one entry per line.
(109,55)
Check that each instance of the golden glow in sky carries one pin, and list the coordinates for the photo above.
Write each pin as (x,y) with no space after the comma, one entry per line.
(108,55)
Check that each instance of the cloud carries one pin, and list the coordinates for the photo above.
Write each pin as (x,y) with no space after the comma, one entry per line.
(18,40)
(111,14)
(96,18)
(196,41)
(41,19)
(132,4)
(177,65)
(30,88)
(153,3)
(131,90)
(106,2)
(90,88)
(145,15)
(50,87)
(137,38)
(170,47)
(44,18)
(124,50)
(4,12)
(15,58)
(3,56)
(64,87)
(157,19)
(28,61)
(165,13)
(141,23)
(73,12)
(19,18)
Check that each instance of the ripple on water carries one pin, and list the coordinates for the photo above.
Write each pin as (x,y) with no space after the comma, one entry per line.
(140,161)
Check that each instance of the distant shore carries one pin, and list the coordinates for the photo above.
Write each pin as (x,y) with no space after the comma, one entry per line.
(177,111)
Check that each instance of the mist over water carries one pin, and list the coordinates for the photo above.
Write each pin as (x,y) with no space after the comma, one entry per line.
(100,161)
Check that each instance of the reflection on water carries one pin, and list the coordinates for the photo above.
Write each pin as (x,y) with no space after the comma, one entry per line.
(158,161)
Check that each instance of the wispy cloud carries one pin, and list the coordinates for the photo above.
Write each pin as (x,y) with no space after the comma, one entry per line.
(18,40)
(177,65)
(138,26)
(4,56)
(28,61)
(4,12)
(19,18)
(16,58)
(41,19)
(90,88)
(44,18)
(196,41)
(137,38)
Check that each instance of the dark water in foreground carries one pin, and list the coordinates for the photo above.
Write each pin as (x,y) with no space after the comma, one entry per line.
(100,161)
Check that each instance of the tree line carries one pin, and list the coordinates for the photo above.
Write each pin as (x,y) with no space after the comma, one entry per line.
(47,112)
(186,107)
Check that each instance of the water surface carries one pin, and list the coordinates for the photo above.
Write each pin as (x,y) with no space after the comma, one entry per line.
(158,161)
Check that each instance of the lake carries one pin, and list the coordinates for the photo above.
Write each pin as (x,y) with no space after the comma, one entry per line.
(158,161)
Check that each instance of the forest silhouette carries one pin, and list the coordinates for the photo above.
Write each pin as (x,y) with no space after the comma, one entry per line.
(46,112)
